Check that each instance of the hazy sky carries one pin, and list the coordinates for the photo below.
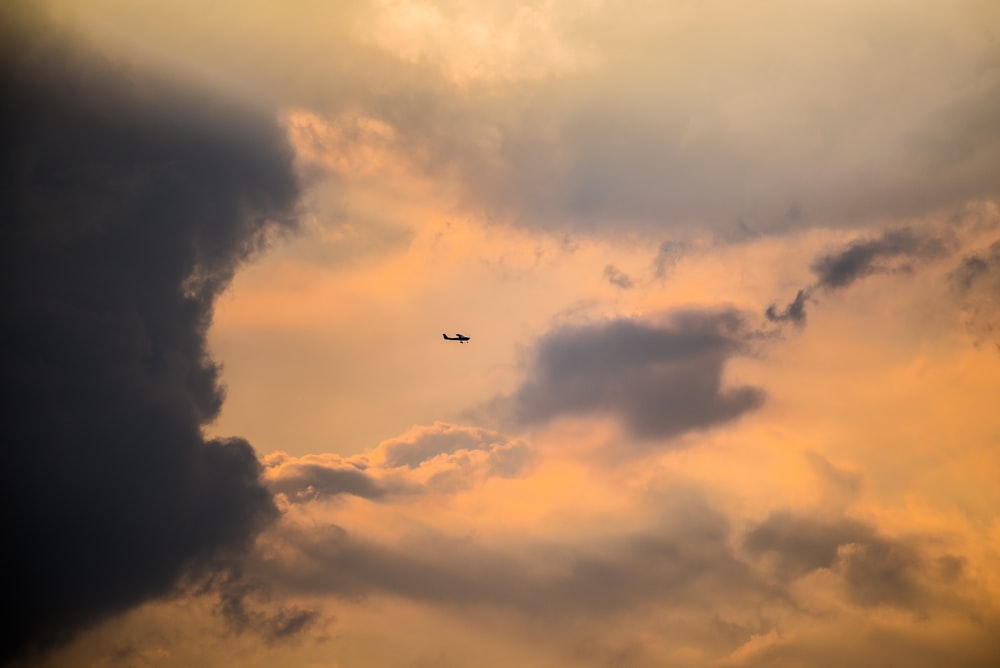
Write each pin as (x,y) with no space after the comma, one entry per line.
(732,276)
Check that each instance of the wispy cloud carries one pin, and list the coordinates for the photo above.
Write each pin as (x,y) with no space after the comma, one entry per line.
(895,250)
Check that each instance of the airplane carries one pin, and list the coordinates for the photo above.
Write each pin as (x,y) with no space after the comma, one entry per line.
(461,338)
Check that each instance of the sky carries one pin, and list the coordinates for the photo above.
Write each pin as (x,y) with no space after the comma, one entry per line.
(731,273)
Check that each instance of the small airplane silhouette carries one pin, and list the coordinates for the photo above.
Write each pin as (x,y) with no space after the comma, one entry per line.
(461,338)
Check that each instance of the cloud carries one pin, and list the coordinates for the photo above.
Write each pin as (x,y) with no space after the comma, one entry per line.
(574,117)
(661,379)
(734,119)
(441,457)
(875,569)
(319,476)
(667,257)
(976,281)
(875,256)
(617,277)
(423,443)
(684,559)
(736,596)
(894,250)
(128,202)
(794,312)
(244,605)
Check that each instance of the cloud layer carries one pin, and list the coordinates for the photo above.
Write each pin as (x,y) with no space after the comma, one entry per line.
(627,466)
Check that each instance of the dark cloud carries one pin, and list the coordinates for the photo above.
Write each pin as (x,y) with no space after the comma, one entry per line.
(876,569)
(305,480)
(245,606)
(877,255)
(666,257)
(979,270)
(618,133)
(895,250)
(126,203)
(659,379)
(976,281)
(617,277)
(794,312)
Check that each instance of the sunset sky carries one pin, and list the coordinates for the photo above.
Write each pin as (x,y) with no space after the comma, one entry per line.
(731,273)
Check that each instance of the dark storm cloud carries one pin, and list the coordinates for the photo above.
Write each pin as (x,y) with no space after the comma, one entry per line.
(895,250)
(659,379)
(127,202)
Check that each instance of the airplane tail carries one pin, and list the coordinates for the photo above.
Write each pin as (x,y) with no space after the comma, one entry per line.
(445,336)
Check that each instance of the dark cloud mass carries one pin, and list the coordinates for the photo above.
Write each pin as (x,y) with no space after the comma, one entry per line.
(126,205)
(660,380)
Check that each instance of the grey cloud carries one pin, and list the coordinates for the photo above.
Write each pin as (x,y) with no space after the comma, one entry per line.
(742,126)
(684,560)
(807,111)
(666,257)
(689,570)
(976,283)
(803,544)
(688,558)
(871,256)
(979,271)
(794,311)
(659,379)
(510,459)
(436,458)
(127,202)
(895,250)
(617,277)
(884,644)
(304,481)
(244,604)
(876,569)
